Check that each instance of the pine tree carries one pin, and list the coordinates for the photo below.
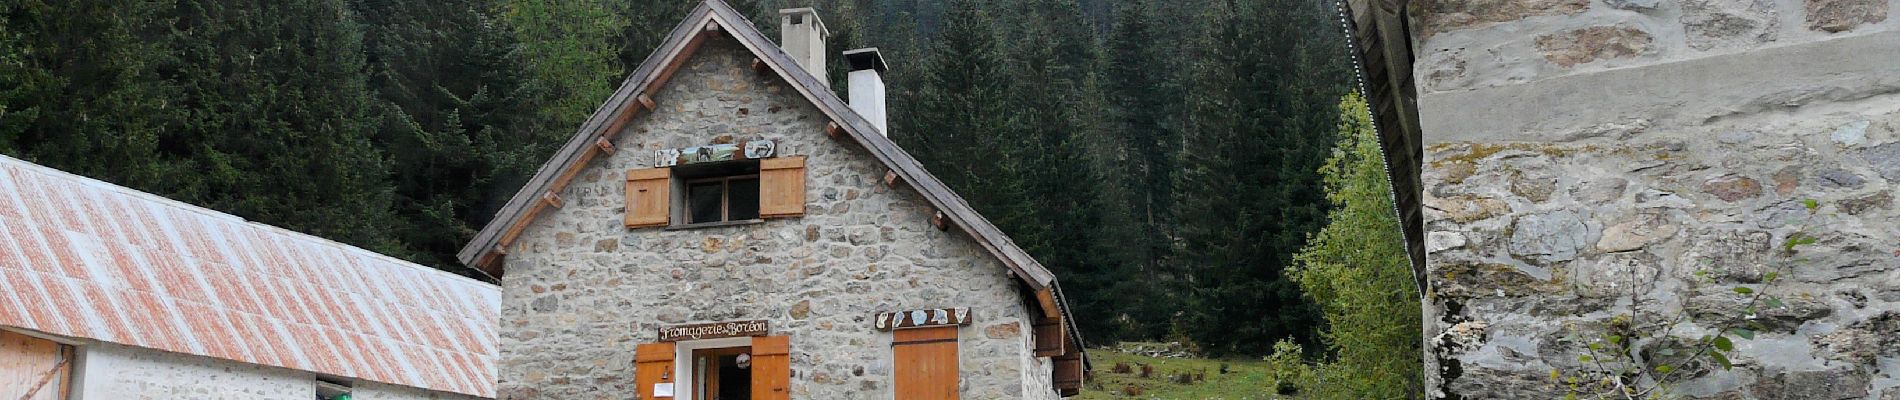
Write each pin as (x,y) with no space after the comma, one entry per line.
(1138,84)
(460,127)
(1248,197)
(78,91)
(963,120)
(277,121)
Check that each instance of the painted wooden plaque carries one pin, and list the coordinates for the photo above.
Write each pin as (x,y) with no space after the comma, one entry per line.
(923,318)
(714,330)
(715,153)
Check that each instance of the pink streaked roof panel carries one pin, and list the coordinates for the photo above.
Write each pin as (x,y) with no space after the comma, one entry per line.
(88,259)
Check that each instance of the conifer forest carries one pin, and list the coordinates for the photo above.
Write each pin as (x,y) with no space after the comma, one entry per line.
(1162,157)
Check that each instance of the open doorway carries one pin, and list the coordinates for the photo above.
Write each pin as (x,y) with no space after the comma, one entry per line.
(722,373)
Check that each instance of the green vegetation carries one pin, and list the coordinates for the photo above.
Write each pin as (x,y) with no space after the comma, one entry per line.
(1244,378)
(1158,156)
(1357,270)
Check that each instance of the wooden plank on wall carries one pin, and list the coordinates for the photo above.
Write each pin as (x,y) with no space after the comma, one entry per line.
(32,365)
(925,363)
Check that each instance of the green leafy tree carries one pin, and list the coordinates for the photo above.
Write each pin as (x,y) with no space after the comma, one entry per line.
(570,52)
(1357,270)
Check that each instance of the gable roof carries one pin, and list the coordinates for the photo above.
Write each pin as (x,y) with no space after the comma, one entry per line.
(486,249)
(1379,38)
(87,259)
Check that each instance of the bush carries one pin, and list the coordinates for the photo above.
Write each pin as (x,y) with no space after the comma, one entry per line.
(1357,270)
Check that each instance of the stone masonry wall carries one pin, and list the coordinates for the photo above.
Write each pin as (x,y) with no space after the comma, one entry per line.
(112,372)
(1468,44)
(581,291)
(1593,165)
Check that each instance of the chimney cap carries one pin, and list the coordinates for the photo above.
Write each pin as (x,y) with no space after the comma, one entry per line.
(866,58)
(805,12)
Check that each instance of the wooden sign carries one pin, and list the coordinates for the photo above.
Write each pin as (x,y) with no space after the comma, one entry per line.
(714,330)
(923,318)
(752,150)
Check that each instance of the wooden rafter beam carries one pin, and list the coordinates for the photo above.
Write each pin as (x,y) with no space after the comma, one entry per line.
(647,102)
(551,199)
(940,221)
(890,178)
(605,146)
(832,129)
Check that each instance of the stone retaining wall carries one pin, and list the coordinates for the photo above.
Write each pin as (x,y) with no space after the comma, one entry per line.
(1593,165)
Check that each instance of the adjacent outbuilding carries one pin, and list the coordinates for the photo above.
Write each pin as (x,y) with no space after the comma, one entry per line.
(111,293)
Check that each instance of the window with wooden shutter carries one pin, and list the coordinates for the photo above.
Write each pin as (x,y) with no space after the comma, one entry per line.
(925,360)
(771,368)
(648,193)
(653,365)
(782,187)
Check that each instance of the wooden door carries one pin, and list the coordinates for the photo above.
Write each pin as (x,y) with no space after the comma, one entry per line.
(925,360)
(771,368)
(30,365)
(653,365)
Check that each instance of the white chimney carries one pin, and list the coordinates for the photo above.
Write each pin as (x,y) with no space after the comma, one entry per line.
(803,35)
(867,86)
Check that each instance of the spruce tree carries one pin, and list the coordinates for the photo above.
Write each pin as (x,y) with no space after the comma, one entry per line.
(963,118)
(1248,197)
(275,121)
(1139,86)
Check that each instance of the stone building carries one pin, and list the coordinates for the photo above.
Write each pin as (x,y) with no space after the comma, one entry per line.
(1572,170)
(108,293)
(726,227)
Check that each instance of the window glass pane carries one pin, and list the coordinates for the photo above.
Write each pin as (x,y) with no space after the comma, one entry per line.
(702,202)
(744,203)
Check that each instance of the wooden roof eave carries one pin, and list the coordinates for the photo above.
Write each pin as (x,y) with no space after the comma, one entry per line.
(484,251)
(1379,39)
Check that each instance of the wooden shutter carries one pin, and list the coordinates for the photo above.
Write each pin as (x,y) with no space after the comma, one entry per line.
(782,187)
(925,360)
(653,364)
(1051,337)
(1068,374)
(648,192)
(771,368)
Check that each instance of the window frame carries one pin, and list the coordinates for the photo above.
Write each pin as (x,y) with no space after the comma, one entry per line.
(725,197)
(681,214)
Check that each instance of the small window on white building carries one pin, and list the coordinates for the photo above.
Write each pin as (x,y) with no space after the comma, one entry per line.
(333,389)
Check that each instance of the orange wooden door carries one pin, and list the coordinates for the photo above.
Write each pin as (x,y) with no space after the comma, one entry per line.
(925,360)
(771,368)
(32,365)
(653,364)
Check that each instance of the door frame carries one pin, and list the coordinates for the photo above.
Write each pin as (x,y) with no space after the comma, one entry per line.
(683,361)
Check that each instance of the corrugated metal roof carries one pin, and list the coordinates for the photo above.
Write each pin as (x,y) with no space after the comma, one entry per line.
(88,259)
